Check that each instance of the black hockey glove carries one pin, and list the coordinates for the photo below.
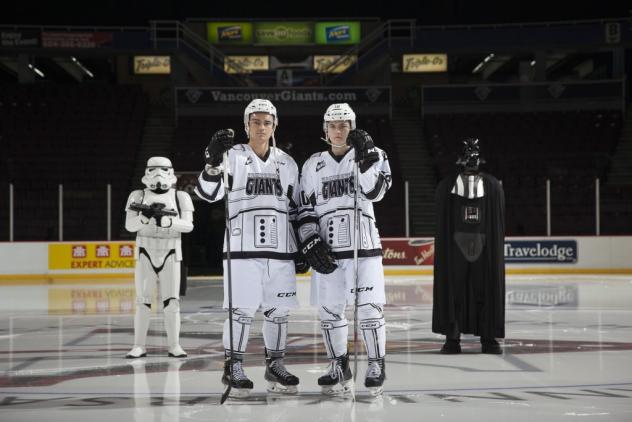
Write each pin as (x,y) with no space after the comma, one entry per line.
(301,266)
(362,142)
(318,255)
(221,141)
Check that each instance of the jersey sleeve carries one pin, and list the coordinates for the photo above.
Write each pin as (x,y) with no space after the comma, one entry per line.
(376,180)
(210,182)
(307,217)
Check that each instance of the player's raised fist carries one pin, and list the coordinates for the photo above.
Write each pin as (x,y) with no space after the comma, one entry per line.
(221,141)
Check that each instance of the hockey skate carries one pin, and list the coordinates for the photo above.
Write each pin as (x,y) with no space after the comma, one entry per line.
(338,379)
(239,382)
(375,375)
(136,352)
(278,377)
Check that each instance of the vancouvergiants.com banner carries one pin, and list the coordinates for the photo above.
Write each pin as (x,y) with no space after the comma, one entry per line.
(204,96)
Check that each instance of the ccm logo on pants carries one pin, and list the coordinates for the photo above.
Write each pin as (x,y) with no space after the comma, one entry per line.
(290,294)
(362,289)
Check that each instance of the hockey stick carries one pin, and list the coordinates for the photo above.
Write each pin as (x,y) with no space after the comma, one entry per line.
(229,279)
(356,234)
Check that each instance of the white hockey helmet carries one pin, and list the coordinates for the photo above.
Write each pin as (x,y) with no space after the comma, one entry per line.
(337,112)
(259,105)
(159,174)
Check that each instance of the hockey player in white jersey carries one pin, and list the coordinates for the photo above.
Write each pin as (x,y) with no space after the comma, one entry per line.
(263,197)
(327,238)
(158,215)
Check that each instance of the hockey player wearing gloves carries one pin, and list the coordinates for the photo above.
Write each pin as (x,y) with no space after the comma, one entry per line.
(326,231)
(263,198)
(158,215)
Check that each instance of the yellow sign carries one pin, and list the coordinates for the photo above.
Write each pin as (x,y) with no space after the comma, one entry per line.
(245,64)
(90,300)
(333,64)
(91,256)
(152,65)
(421,63)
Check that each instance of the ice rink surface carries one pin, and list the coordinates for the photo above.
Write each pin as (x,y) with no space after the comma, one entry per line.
(567,356)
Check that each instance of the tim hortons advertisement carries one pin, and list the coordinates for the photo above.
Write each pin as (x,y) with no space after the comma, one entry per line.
(408,251)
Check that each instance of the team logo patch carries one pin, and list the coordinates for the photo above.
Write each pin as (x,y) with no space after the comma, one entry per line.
(320,165)
(248,161)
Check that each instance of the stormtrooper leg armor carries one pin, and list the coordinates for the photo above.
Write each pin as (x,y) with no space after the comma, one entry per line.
(280,380)
(241,319)
(335,328)
(371,318)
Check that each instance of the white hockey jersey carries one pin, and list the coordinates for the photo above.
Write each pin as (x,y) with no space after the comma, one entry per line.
(263,202)
(159,241)
(327,191)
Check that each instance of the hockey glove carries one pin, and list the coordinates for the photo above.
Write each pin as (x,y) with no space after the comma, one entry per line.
(221,141)
(301,266)
(362,142)
(318,255)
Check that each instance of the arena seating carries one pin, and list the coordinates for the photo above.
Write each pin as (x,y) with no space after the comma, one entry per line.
(570,149)
(83,137)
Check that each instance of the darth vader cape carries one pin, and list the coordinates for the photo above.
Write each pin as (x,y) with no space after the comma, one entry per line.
(470,294)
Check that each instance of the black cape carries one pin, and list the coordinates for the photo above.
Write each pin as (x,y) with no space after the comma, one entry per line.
(452,292)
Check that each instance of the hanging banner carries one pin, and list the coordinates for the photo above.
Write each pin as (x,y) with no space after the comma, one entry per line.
(76,39)
(284,33)
(152,65)
(337,32)
(323,64)
(245,64)
(422,63)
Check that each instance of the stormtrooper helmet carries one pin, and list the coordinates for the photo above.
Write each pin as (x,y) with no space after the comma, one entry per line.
(159,175)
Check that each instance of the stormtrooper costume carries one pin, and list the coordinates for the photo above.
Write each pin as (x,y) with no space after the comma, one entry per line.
(262,206)
(158,252)
(326,218)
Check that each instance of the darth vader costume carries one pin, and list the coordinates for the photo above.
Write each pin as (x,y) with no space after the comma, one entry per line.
(469,265)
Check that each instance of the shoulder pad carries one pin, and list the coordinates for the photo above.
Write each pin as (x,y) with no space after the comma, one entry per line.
(184,201)
(135,197)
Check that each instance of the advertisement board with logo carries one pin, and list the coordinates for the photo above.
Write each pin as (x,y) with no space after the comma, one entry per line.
(337,32)
(246,64)
(152,65)
(423,63)
(229,32)
(20,38)
(90,256)
(284,33)
(541,251)
(76,39)
(333,63)
(408,251)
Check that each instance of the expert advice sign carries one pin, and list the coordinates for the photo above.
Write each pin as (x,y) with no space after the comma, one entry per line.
(91,256)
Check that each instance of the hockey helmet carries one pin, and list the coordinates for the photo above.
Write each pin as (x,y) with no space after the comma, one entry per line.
(259,105)
(337,112)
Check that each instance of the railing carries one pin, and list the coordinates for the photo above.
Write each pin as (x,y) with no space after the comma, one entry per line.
(395,29)
(175,34)
(548,214)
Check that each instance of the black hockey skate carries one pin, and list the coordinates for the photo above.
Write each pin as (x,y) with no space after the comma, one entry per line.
(338,379)
(280,380)
(375,375)
(239,382)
